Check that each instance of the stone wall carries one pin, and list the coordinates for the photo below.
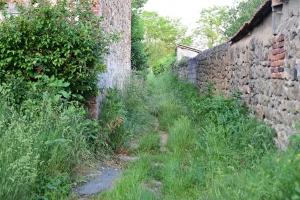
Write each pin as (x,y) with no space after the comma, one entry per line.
(117,18)
(264,66)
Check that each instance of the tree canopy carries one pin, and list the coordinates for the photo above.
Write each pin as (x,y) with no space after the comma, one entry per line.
(238,14)
(218,23)
(162,34)
(210,29)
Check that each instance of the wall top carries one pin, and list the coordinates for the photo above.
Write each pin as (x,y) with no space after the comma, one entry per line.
(277,2)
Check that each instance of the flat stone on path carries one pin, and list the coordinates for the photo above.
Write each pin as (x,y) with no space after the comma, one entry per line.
(99,183)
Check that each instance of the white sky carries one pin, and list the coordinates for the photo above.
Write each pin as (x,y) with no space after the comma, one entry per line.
(187,10)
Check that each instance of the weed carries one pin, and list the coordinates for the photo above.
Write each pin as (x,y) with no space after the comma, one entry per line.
(41,146)
(215,150)
(149,143)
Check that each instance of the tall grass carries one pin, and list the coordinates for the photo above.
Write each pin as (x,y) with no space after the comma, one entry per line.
(215,150)
(42,145)
(131,108)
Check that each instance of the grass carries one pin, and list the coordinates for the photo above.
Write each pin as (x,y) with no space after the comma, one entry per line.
(149,143)
(41,147)
(215,150)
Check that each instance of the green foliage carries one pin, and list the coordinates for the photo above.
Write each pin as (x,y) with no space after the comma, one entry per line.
(50,40)
(221,110)
(126,114)
(218,23)
(168,111)
(238,14)
(149,143)
(210,26)
(276,176)
(164,63)
(136,4)
(42,144)
(138,47)
(214,150)
(17,90)
(138,105)
(182,62)
(112,119)
(162,34)
(130,186)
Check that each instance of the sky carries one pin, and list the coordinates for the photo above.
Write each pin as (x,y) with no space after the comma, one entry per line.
(187,10)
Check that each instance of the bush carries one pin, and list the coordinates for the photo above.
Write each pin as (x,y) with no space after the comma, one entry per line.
(55,40)
(164,63)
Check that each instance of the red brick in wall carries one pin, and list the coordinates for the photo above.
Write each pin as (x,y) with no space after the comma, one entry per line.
(278,55)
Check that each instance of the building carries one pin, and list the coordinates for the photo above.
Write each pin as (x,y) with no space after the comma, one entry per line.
(185,51)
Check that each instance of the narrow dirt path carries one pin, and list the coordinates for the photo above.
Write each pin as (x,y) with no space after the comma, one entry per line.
(163,135)
(99,180)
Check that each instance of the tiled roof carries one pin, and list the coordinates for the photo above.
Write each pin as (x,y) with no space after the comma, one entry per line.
(263,10)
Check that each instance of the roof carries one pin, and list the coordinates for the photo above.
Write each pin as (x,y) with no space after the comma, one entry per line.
(258,16)
(188,48)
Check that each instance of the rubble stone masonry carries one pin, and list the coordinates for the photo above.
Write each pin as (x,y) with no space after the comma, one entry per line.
(263,66)
(117,18)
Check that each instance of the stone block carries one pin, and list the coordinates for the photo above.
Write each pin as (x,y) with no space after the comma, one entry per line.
(266,63)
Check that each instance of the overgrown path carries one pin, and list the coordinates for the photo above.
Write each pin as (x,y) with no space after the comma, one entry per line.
(103,179)
(194,146)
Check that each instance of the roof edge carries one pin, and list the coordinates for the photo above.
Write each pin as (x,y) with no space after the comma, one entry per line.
(257,17)
(188,48)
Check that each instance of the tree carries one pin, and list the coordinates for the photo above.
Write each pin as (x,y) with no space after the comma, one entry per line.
(210,26)
(162,34)
(137,4)
(238,14)
(138,48)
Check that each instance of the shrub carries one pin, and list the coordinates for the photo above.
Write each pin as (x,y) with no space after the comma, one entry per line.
(55,40)
(164,63)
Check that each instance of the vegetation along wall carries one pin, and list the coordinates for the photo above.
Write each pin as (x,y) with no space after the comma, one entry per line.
(262,61)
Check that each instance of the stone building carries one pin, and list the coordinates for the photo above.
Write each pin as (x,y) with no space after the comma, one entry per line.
(262,61)
(117,17)
(185,51)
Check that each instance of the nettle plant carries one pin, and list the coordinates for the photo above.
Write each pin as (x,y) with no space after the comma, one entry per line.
(63,40)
